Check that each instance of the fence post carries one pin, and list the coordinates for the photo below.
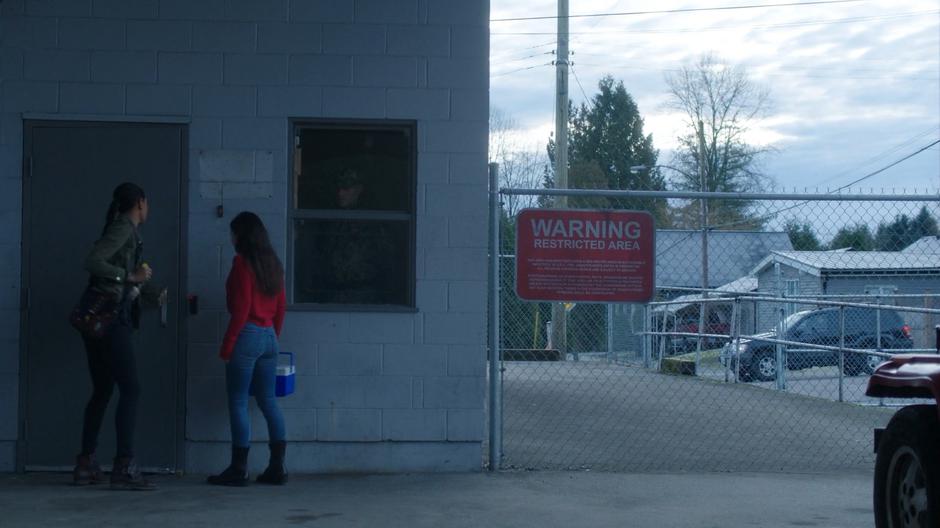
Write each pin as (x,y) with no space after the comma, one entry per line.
(610,332)
(701,330)
(878,322)
(735,339)
(780,354)
(841,351)
(495,361)
(648,339)
(662,345)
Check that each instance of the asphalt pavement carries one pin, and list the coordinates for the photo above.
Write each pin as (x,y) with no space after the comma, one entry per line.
(508,499)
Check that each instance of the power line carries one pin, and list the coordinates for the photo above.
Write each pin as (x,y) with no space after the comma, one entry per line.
(798,23)
(522,58)
(879,171)
(884,154)
(510,52)
(571,65)
(520,69)
(768,216)
(684,10)
(781,75)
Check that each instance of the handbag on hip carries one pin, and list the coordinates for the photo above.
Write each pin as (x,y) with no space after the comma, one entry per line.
(94,314)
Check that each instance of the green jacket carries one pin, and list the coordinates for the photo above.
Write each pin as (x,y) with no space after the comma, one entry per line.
(116,255)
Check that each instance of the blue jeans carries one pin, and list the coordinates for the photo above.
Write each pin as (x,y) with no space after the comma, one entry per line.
(253,365)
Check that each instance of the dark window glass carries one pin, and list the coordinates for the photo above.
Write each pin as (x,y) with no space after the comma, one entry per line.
(351,261)
(335,164)
(353,215)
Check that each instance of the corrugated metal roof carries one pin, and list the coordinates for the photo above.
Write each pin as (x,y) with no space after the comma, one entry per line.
(822,262)
(742,285)
(731,255)
(927,244)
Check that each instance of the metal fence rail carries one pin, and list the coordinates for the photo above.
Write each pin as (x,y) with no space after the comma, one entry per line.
(662,386)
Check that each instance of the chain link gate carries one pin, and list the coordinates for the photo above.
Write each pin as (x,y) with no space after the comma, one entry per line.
(763,370)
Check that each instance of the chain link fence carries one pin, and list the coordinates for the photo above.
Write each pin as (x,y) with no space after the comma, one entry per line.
(754,354)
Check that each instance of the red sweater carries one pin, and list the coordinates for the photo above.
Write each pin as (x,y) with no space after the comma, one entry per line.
(247,304)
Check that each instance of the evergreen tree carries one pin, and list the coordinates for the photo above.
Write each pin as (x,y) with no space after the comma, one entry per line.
(802,236)
(606,139)
(904,231)
(857,238)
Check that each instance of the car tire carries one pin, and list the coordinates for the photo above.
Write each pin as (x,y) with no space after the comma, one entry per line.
(855,364)
(763,366)
(907,470)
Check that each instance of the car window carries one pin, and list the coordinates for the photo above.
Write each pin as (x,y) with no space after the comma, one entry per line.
(865,320)
(793,320)
(859,320)
(827,322)
(891,319)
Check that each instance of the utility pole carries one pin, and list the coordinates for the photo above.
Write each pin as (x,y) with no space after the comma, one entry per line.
(703,175)
(703,317)
(559,315)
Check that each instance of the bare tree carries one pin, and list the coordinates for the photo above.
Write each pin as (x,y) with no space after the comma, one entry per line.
(719,103)
(520,165)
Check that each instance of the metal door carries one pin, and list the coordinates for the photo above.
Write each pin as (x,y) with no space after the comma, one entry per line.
(70,171)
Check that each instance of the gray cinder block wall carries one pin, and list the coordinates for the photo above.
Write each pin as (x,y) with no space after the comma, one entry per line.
(376,391)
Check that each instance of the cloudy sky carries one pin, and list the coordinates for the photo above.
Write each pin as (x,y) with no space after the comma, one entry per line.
(854,86)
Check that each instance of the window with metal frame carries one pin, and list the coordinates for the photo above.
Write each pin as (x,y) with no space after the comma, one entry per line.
(352,215)
(792,288)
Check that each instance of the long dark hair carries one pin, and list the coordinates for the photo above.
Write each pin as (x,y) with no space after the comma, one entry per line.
(124,198)
(254,245)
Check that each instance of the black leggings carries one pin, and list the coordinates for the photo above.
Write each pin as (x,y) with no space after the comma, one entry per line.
(111,361)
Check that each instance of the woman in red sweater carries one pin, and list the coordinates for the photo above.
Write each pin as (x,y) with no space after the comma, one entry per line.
(255,298)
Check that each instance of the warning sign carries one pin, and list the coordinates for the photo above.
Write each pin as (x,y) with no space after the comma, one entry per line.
(574,255)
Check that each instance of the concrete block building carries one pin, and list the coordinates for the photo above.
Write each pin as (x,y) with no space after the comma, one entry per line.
(357,129)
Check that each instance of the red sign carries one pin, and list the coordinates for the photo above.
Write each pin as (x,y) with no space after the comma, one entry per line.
(595,256)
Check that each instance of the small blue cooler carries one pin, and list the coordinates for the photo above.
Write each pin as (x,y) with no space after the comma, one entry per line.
(285,377)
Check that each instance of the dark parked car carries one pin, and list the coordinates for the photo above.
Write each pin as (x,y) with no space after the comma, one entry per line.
(821,327)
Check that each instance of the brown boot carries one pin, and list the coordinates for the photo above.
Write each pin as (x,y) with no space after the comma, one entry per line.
(126,476)
(87,471)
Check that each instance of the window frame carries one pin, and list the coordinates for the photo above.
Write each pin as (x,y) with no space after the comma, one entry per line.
(297,125)
(791,287)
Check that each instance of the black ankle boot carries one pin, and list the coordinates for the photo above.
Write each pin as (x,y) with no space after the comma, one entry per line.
(126,476)
(275,474)
(236,474)
(87,471)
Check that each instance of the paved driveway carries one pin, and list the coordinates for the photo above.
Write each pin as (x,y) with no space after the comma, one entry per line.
(516,499)
(593,415)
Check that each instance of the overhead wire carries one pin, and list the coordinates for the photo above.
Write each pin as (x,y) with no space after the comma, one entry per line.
(772,214)
(882,155)
(682,10)
(759,74)
(799,23)
(575,74)
(500,74)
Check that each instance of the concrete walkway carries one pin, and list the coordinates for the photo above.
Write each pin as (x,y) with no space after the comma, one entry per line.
(511,499)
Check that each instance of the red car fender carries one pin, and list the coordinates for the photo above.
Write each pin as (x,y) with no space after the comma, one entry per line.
(907,376)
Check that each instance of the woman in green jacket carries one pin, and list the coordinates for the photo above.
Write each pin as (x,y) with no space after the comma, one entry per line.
(117,269)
